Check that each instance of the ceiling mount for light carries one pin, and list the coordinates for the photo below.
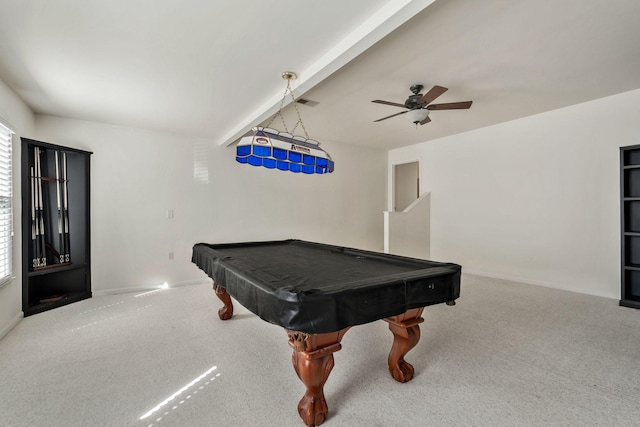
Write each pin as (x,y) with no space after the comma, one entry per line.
(289,75)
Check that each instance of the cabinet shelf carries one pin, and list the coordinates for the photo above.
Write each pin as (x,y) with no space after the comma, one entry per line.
(630,303)
(67,298)
(56,268)
(56,244)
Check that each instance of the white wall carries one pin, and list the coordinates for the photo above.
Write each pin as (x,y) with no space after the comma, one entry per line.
(19,117)
(535,199)
(407,233)
(138,175)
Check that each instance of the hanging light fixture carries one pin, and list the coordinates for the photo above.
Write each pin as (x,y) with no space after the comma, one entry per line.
(272,149)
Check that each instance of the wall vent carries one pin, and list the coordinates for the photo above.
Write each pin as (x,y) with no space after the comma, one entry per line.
(307,102)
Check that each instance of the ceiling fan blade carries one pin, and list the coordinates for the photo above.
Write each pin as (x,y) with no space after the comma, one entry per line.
(435,92)
(393,115)
(395,104)
(425,121)
(451,106)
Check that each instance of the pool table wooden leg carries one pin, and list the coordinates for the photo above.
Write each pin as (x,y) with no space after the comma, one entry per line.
(226,312)
(313,361)
(406,334)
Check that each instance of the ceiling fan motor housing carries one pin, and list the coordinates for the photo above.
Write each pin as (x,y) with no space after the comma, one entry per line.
(412,101)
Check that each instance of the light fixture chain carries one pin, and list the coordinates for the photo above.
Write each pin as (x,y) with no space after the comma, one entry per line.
(279,113)
(289,91)
(299,122)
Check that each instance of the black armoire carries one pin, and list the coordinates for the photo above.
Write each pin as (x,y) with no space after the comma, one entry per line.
(56,238)
(630,224)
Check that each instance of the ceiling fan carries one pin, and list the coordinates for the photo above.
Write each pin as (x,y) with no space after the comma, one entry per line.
(419,105)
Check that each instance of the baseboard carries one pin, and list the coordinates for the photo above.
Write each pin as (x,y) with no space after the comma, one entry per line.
(149,287)
(4,331)
(538,283)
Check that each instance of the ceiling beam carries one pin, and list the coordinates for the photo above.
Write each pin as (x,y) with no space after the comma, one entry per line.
(377,26)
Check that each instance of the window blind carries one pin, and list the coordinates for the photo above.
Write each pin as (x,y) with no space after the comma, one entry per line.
(6,218)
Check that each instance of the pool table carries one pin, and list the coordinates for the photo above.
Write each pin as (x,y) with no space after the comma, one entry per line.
(316,292)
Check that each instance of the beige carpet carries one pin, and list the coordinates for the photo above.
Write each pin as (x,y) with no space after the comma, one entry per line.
(507,354)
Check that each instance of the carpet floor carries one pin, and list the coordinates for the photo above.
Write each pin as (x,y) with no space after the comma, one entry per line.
(507,354)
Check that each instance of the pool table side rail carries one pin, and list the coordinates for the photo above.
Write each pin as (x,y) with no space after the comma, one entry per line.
(329,310)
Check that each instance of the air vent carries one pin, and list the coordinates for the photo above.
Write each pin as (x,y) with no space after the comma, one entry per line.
(307,102)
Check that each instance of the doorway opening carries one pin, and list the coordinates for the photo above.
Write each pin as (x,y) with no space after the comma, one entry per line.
(406,186)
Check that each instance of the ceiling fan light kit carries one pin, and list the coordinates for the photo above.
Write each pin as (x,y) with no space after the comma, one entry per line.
(417,115)
(418,105)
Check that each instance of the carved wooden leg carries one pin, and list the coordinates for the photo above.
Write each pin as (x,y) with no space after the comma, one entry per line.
(313,360)
(226,312)
(406,334)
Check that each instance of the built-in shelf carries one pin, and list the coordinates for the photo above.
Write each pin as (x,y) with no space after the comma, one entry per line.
(56,259)
(55,269)
(630,225)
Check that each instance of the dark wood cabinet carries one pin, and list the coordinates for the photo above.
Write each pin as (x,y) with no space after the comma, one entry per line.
(630,224)
(56,238)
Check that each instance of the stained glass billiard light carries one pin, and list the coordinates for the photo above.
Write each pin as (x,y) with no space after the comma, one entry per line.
(272,149)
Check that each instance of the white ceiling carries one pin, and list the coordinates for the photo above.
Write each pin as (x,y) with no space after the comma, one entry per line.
(212,68)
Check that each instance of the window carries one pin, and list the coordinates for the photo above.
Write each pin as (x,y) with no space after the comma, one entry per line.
(6,223)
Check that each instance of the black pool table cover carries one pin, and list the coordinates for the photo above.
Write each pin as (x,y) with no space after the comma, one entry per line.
(318,288)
